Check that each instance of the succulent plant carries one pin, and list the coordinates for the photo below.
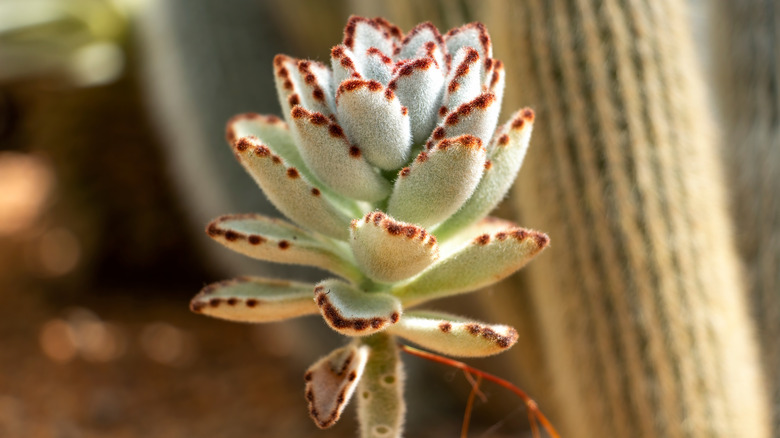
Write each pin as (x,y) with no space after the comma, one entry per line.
(387,165)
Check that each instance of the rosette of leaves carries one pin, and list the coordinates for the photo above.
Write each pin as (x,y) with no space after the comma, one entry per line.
(386,165)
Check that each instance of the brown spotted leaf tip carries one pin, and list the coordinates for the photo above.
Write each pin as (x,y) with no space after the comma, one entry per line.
(375,120)
(331,381)
(454,336)
(290,191)
(333,159)
(278,241)
(486,259)
(302,82)
(438,182)
(464,81)
(477,117)
(255,299)
(505,153)
(353,312)
(388,250)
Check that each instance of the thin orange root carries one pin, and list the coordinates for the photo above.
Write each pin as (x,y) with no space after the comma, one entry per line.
(534,414)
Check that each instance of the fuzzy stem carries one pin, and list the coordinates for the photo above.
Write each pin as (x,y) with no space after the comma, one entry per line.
(381,405)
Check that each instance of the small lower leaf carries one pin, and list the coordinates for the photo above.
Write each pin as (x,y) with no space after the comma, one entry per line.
(454,336)
(353,312)
(255,299)
(331,381)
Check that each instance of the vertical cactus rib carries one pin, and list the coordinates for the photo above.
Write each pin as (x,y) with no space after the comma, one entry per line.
(651,313)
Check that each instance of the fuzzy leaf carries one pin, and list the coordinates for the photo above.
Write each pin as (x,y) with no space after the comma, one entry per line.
(296,84)
(363,33)
(275,240)
(353,312)
(470,35)
(275,134)
(316,86)
(418,38)
(504,157)
(454,336)
(477,117)
(388,250)
(418,83)
(484,261)
(333,160)
(343,65)
(495,79)
(464,81)
(331,381)
(289,191)
(377,66)
(463,236)
(255,299)
(380,395)
(438,182)
(270,130)
(374,120)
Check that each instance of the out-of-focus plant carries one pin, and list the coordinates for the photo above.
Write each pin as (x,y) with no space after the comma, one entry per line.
(387,164)
(76,40)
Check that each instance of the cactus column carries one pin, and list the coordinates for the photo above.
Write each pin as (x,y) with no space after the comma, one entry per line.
(641,307)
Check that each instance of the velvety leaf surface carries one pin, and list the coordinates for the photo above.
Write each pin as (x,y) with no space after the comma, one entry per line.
(485,260)
(388,250)
(333,159)
(255,299)
(453,335)
(353,312)
(290,191)
(504,157)
(277,241)
(375,121)
(331,381)
(438,182)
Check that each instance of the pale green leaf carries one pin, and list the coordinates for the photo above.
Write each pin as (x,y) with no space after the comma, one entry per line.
(453,335)
(485,260)
(388,250)
(477,117)
(332,380)
(418,83)
(505,156)
(290,191)
(353,312)
(335,161)
(278,241)
(414,45)
(470,35)
(255,299)
(438,182)
(464,81)
(374,121)
(302,82)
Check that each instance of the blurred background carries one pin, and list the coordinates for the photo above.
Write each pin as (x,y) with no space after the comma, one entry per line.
(113,159)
